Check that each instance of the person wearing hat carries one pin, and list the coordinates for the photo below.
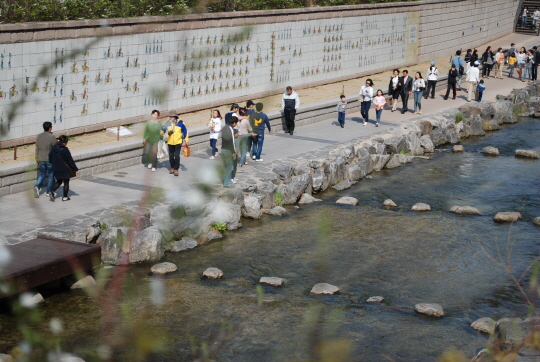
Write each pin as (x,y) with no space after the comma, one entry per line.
(473,77)
(176,134)
(431,80)
(232,113)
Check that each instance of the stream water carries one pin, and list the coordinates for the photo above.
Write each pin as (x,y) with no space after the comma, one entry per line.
(404,256)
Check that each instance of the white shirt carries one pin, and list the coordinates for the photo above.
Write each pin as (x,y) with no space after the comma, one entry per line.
(418,83)
(217,127)
(432,74)
(292,96)
(366,93)
(473,74)
(536,15)
(395,81)
(524,12)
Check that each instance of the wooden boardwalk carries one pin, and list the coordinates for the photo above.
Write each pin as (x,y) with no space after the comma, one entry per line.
(42,260)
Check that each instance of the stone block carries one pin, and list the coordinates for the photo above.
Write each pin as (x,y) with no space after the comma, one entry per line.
(20,187)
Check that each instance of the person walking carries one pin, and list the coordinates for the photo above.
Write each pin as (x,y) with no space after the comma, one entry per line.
(290,103)
(499,63)
(394,89)
(511,50)
(474,56)
(529,64)
(259,121)
(458,63)
(244,139)
(341,110)
(452,80)
(419,87)
(433,72)
(512,60)
(64,167)
(366,94)
(228,151)
(406,86)
(473,77)
(524,17)
(536,16)
(521,59)
(215,128)
(44,143)
(250,109)
(468,56)
(487,61)
(232,113)
(151,138)
(176,134)
(379,102)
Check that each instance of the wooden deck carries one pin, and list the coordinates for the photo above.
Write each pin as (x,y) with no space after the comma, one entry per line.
(42,260)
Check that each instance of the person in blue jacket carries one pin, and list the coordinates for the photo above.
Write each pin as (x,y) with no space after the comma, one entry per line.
(259,121)
(64,168)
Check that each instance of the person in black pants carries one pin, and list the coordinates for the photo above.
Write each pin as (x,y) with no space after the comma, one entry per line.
(487,61)
(63,167)
(536,62)
(290,103)
(406,85)
(452,80)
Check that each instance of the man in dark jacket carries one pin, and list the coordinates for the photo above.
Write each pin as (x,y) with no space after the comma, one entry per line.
(406,84)
(536,54)
(63,166)
(290,103)
(228,151)
(44,143)
(259,121)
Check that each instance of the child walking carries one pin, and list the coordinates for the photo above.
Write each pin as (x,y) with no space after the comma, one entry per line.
(512,60)
(481,89)
(379,102)
(341,109)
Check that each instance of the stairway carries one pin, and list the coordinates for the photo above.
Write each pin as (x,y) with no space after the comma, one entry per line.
(531,5)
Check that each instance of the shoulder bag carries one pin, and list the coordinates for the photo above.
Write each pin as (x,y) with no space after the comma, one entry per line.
(71,172)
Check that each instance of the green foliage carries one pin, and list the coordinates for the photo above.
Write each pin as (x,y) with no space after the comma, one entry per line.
(219,226)
(459,117)
(404,153)
(103,226)
(279,198)
(18,11)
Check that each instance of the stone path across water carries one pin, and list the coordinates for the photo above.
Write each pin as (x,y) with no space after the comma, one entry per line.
(21,214)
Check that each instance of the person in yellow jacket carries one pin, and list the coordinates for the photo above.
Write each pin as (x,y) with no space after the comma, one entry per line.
(176,134)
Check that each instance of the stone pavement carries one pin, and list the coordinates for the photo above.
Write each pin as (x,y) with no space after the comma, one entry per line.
(21,212)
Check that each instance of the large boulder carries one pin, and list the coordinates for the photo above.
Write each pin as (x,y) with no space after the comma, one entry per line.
(285,172)
(430,309)
(343,185)
(395,144)
(335,171)
(506,111)
(6,358)
(413,145)
(470,110)
(355,172)
(379,161)
(452,135)
(465,210)
(425,127)
(398,160)
(509,332)
(485,325)
(251,207)
(346,200)
(438,137)
(71,235)
(427,144)
(223,212)
(147,245)
(233,195)
(347,153)
(528,154)
(324,288)
(294,189)
(112,243)
(320,181)
(191,226)
(507,216)
(364,161)
(491,125)
(307,199)
(184,244)
(474,127)
(267,189)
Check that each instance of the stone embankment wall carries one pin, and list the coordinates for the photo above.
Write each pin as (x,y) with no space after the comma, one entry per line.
(107,76)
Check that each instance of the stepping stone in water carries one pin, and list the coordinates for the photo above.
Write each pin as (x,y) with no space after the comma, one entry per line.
(324,288)
(507,216)
(86,282)
(486,325)
(213,273)
(377,299)
(389,203)
(458,148)
(163,268)
(430,309)
(536,221)
(490,151)
(465,210)
(421,207)
(346,200)
(527,153)
(273,281)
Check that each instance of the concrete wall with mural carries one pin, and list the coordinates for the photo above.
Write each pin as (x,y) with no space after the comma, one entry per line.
(200,61)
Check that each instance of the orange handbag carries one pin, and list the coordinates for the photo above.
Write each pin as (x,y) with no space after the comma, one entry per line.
(187,151)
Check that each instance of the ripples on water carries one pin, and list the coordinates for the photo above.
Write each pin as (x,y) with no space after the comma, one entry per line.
(406,257)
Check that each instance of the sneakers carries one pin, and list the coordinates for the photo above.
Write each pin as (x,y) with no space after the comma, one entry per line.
(36,192)
(153,169)
(376,125)
(149,166)
(364,124)
(212,158)
(52,196)
(65,198)
(52,192)
(253,157)
(259,160)
(234,180)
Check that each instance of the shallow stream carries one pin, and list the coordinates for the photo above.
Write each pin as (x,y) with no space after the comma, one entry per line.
(404,256)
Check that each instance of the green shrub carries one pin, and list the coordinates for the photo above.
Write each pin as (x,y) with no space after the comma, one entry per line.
(279,198)
(219,226)
(459,117)
(103,226)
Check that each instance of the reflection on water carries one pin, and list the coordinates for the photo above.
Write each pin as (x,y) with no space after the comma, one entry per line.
(404,256)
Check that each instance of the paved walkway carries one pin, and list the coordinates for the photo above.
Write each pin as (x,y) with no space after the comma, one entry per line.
(20,212)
